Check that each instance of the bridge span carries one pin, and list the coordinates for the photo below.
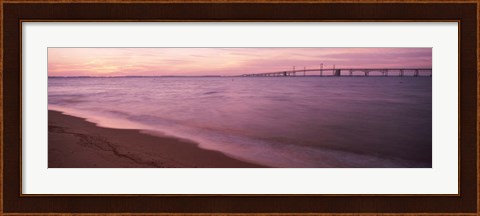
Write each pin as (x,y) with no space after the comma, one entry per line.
(348,72)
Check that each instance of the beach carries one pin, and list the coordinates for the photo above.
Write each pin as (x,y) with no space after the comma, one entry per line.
(307,122)
(74,142)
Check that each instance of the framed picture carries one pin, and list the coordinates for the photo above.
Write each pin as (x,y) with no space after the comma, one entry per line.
(262,107)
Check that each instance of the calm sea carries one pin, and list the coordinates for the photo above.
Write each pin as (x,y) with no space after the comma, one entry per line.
(274,121)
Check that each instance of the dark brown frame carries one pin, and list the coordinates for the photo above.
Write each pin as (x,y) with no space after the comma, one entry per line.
(465,12)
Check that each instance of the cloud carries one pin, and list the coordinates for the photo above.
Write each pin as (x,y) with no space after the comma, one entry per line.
(223,61)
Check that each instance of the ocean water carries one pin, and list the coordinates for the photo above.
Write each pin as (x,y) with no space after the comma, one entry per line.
(274,121)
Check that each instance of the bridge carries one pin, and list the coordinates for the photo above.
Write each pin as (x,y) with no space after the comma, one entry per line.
(348,72)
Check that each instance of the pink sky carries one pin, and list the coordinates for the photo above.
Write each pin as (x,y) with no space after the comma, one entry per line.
(224,61)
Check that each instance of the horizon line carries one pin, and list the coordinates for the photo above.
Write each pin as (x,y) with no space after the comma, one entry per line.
(139,76)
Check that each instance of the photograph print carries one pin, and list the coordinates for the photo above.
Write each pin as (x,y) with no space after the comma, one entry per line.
(239,107)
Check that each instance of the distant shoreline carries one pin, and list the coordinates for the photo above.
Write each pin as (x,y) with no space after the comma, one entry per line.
(75,143)
(131,76)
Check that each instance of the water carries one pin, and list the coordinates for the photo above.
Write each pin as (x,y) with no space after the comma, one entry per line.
(274,121)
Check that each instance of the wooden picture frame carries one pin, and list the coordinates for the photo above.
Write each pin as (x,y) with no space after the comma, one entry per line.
(13,12)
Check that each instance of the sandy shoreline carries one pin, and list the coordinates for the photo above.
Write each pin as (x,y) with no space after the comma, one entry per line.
(75,143)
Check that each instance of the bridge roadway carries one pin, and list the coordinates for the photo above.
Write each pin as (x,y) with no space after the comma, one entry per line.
(415,72)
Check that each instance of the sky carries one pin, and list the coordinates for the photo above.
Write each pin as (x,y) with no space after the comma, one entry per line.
(224,61)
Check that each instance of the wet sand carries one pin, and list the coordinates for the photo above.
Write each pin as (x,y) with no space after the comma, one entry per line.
(76,143)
